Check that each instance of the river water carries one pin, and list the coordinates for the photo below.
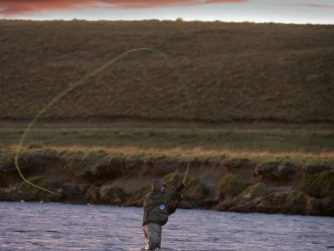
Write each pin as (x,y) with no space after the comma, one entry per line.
(55,226)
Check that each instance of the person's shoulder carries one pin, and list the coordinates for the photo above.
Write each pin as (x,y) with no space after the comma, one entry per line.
(150,194)
(154,195)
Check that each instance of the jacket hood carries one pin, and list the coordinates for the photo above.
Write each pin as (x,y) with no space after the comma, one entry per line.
(157,184)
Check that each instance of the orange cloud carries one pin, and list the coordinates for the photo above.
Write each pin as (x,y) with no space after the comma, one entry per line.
(14,7)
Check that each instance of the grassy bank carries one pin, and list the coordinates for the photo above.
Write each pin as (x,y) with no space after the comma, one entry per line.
(266,141)
(122,176)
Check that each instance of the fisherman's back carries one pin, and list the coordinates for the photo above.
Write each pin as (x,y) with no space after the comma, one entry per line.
(156,208)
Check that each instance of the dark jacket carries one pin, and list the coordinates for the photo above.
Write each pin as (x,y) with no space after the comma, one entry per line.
(158,205)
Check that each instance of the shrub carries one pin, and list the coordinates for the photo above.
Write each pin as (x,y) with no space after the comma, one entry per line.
(231,186)
(194,188)
(318,185)
(112,194)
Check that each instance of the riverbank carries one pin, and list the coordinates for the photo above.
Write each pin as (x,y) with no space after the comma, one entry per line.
(101,176)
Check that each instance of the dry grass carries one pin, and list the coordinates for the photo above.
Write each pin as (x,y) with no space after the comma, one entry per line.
(215,71)
(174,153)
(178,140)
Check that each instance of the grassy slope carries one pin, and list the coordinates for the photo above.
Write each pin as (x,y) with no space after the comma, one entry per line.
(311,143)
(214,72)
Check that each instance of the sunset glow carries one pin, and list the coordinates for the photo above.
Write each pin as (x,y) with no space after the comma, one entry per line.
(296,11)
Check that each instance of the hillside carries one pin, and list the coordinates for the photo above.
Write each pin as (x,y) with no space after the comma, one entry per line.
(213,71)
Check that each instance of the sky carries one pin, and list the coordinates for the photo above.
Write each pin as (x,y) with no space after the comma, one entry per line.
(292,11)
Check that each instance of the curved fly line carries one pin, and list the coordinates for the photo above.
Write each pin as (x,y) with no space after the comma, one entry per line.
(61,95)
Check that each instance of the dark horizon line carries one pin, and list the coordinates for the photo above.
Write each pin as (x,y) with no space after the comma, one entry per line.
(159,20)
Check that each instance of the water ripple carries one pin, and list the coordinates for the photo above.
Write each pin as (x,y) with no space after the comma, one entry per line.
(55,226)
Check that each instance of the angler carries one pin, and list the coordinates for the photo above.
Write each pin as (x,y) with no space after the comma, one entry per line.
(158,205)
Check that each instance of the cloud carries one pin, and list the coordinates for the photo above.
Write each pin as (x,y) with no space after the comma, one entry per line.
(15,7)
(313,5)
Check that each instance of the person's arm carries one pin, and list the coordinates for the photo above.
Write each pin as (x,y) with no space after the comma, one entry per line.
(174,197)
(175,194)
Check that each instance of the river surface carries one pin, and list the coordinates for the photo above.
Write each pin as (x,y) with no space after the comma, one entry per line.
(55,226)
